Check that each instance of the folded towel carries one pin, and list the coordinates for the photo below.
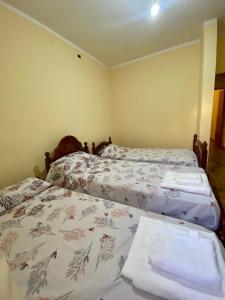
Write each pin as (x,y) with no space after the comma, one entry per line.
(189,179)
(188,257)
(162,284)
(170,179)
(129,267)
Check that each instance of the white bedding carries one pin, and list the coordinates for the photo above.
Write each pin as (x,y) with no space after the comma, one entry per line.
(63,245)
(135,184)
(170,180)
(180,157)
(144,276)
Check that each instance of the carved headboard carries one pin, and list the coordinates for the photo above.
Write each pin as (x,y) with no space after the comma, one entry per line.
(97,149)
(200,149)
(67,145)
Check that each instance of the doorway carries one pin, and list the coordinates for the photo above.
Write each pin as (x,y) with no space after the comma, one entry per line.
(217,134)
(216,162)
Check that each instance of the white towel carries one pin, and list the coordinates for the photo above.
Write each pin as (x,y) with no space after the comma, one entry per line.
(189,179)
(188,257)
(129,267)
(144,277)
(170,179)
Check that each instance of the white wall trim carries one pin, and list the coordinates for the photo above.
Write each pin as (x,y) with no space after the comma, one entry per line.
(34,21)
(208,22)
(156,53)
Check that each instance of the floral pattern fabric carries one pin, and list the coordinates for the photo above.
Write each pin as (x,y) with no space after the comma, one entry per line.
(74,249)
(180,157)
(135,184)
(20,192)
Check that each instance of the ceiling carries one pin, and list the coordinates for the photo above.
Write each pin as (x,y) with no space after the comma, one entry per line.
(116,31)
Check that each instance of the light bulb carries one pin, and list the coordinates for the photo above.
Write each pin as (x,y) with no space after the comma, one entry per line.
(155,9)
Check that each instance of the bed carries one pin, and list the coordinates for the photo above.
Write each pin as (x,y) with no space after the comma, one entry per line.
(68,144)
(133,183)
(60,245)
(183,157)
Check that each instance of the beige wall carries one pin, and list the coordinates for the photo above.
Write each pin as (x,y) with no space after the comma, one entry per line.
(207,78)
(220,65)
(155,100)
(46,92)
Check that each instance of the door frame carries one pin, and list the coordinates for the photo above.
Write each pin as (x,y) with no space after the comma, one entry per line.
(220,81)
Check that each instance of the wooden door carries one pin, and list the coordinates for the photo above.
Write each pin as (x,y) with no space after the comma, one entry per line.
(219,120)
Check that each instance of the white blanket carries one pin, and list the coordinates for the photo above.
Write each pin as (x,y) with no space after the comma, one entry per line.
(146,278)
(191,258)
(189,179)
(174,180)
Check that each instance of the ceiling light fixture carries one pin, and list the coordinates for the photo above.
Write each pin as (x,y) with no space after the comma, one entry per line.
(155,9)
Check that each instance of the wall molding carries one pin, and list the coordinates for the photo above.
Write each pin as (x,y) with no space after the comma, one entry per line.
(156,53)
(77,48)
(46,28)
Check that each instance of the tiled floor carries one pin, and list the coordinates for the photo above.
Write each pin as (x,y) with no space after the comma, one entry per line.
(216,170)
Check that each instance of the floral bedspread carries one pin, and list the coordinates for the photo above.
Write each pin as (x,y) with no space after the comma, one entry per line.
(63,245)
(180,157)
(22,191)
(134,183)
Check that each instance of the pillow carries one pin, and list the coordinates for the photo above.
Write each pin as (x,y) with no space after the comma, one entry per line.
(22,191)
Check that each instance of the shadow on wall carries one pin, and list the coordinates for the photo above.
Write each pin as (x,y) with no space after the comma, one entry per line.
(38,173)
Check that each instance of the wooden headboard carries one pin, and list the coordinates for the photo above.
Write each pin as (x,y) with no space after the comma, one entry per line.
(97,149)
(199,148)
(67,145)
